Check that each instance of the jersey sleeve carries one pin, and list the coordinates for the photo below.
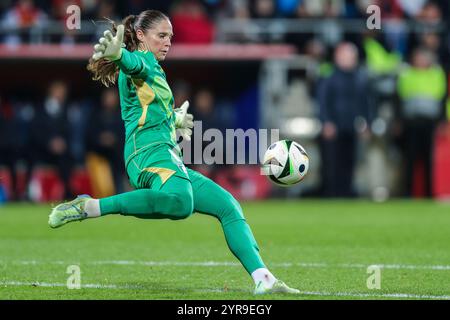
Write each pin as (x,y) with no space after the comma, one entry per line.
(134,65)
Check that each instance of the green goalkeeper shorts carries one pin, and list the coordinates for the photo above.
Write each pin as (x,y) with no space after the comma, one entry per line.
(151,168)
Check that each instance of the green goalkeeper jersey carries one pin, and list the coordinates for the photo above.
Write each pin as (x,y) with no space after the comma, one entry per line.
(146,103)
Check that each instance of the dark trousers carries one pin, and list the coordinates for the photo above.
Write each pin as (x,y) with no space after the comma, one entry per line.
(338,162)
(419,147)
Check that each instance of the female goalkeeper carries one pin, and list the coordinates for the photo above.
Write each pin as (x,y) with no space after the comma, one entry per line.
(165,188)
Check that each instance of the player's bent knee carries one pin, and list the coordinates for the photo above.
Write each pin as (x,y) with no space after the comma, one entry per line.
(181,207)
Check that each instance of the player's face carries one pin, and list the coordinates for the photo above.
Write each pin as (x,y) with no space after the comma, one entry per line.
(159,39)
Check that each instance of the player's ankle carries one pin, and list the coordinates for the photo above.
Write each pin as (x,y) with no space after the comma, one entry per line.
(265,276)
(92,208)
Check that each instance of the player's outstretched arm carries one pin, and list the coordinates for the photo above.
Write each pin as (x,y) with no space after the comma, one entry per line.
(111,48)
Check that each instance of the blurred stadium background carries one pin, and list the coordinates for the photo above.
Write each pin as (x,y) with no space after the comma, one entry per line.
(369,106)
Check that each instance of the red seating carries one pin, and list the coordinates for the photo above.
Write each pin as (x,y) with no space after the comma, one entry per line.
(5,181)
(441,163)
(45,185)
(245,182)
(80,182)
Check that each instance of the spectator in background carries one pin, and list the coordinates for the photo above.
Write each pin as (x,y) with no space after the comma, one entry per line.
(106,9)
(435,43)
(239,10)
(191,23)
(204,109)
(105,134)
(50,136)
(59,12)
(329,32)
(321,8)
(316,51)
(181,92)
(428,37)
(205,112)
(58,8)
(263,9)
(24,113)
(422,90)
(380,59)
(395,35)
(430,13)
(411,7)
(21,19)
(390,9)
(77,115)
(342,99)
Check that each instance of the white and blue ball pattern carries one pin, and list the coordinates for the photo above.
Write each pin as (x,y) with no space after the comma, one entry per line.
(285,163)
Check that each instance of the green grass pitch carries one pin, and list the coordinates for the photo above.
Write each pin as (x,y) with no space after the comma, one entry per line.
(322,248)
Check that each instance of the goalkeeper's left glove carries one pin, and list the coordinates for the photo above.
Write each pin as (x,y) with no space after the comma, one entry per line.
(109,47)
(184,121)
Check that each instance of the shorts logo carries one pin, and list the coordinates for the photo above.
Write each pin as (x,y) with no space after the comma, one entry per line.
(182,167)
(177,160)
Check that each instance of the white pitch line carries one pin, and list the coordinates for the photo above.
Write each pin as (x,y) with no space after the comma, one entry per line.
(308,293)
(167,263)
(53,285)
(235,264)
(375,295)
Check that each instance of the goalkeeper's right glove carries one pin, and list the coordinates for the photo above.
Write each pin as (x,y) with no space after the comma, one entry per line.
(184,121)
(109,47)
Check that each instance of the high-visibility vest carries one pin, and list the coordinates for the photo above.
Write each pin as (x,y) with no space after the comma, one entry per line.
(379,60)
(422,91)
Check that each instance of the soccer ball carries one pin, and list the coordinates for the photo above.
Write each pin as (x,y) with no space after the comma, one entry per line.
(285,163)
